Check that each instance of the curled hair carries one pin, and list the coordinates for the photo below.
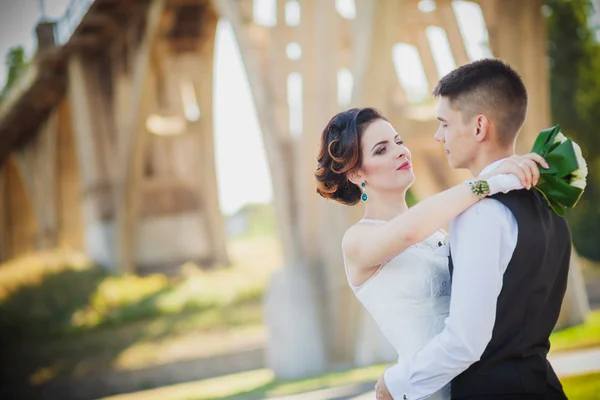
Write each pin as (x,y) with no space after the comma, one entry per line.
(340,153)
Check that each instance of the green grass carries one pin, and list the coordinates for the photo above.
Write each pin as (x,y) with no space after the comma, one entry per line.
(582,387)
(254,385)
(57,294)
(578,337)
(261,384)
(64,317)
(275,388)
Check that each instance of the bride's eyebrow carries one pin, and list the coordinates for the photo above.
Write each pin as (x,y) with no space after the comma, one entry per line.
(378,143)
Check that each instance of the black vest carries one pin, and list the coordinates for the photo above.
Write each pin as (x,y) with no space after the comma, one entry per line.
(534,284)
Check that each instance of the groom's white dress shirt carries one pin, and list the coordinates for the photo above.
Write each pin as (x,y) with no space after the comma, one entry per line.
(482,242)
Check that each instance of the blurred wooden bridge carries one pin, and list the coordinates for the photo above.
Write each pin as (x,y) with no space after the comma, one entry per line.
(107,144)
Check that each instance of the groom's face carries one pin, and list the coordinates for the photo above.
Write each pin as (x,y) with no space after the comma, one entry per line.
(457,135)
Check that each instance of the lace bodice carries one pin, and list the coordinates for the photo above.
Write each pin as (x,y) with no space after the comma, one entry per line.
(409,296)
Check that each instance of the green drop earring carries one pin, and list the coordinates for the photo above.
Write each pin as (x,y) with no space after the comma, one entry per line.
(364,195)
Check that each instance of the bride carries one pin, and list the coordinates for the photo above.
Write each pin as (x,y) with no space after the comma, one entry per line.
(395,259)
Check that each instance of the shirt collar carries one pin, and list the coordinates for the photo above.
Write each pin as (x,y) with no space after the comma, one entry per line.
(491,167)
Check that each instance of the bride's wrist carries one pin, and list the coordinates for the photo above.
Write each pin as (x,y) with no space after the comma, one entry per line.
(479,187)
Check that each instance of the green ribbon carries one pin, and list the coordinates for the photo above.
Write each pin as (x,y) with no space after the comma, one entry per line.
(554,181)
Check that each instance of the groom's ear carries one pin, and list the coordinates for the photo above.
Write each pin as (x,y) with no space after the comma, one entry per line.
(482,127)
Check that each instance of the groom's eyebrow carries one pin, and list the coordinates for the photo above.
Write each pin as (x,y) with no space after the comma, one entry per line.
(442,119)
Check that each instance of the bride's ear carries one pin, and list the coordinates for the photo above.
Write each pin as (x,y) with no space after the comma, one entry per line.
(482,126)
(355,177)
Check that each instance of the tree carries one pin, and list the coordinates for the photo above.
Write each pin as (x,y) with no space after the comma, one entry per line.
(15,64)
(574,56)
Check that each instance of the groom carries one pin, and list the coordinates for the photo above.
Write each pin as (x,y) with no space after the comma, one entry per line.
(509,259)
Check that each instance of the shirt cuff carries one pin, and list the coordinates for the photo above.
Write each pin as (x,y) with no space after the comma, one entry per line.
(396,381)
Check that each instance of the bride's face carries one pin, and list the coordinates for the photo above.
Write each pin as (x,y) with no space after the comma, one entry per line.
(386,162)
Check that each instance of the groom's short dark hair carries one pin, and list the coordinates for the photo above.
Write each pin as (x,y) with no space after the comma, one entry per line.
(489,87)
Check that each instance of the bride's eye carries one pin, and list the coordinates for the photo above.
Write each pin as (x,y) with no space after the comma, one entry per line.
(400,142)
(380,151)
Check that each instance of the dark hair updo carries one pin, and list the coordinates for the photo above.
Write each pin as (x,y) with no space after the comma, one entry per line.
(339,153)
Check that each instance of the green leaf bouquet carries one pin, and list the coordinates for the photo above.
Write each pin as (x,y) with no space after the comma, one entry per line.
(563,183)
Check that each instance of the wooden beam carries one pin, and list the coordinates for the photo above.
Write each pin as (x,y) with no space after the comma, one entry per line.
(427,60)
(47,197)
(320,35)
(86,105)
(131,156)
(279,154)
(491,15)
(448,21)
(276,60)
(23,163)
(68,183)
(375,79)
(201,74)
(36,164)
(21,224)
(533,67)
(103,22)
(121,96)
(523,23)
(198,70)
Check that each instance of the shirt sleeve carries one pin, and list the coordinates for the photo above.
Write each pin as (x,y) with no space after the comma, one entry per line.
(482,242)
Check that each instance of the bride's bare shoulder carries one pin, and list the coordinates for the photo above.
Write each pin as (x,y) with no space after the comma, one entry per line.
(355,235)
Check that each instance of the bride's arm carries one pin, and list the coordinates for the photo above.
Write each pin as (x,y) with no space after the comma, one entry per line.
(367,245)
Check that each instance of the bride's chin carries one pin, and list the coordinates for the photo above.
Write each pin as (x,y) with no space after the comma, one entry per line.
(403,187)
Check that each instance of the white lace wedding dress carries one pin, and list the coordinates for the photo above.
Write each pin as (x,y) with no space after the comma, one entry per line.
(409,296)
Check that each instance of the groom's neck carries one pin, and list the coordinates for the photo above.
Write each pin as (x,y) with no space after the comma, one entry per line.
(486,157)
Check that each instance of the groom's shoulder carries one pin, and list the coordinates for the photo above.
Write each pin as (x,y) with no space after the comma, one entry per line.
(488,211)
(521,201)
(514,195)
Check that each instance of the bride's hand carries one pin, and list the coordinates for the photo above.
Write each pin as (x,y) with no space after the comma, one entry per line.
(524,167)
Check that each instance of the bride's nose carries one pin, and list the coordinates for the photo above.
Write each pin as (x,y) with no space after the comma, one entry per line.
(402,152)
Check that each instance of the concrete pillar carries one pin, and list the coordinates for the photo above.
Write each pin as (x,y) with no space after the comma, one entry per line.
(279,154)
(70,225)
(198,69)
(134,143)
(37,166)
(97,189)
(20,225)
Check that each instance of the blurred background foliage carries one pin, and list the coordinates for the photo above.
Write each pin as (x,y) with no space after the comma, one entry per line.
(574,58)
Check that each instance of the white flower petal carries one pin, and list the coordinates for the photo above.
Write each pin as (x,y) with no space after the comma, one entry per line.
(578,178)
(579,183)
(560,138)
(580,160)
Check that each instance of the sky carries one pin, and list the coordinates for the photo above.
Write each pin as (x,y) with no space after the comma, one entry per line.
(238,139)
